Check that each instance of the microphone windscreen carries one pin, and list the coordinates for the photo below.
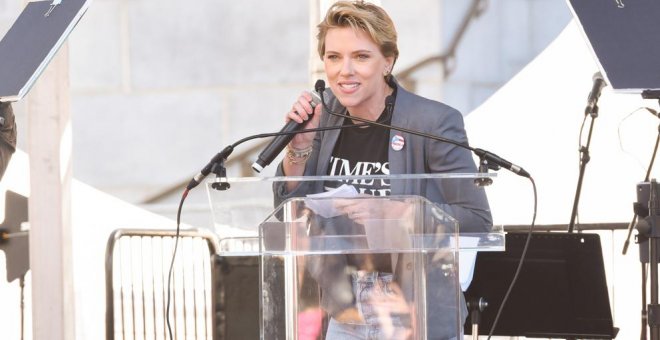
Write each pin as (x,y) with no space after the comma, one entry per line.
(319,86)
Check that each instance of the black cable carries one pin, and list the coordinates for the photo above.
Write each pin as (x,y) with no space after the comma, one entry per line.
(169,275)
(222,155)
(584,121)
(520,263)
(655,153)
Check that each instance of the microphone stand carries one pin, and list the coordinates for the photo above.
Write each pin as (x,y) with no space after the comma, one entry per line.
(647,244)
(653,308)
(649,235)
(645,95)
(584,159)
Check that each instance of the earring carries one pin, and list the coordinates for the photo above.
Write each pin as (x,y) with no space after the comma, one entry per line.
(386,72)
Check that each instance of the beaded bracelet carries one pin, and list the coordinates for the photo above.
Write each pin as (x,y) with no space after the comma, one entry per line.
(298,156)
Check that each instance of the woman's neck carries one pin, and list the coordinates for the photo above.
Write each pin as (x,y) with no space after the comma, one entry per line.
(374,108)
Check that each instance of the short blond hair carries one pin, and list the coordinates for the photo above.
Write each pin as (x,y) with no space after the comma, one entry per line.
(364,16)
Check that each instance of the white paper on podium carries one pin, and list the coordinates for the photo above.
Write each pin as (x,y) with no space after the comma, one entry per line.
(325,208)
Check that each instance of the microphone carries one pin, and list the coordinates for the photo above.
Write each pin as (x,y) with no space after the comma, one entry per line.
(279,142)
(501,162)
(592,100)
(653,112)
(216,165)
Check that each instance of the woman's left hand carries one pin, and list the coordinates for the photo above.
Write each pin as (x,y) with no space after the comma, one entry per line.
(364,208)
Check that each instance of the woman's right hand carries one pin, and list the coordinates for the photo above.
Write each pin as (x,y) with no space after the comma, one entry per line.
(302,111)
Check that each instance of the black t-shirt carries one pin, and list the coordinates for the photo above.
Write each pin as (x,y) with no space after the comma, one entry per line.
(362,151)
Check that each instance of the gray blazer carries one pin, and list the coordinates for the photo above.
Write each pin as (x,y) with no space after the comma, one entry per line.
(461,199)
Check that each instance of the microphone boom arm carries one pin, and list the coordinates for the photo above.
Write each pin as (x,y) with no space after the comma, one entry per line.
(494,161)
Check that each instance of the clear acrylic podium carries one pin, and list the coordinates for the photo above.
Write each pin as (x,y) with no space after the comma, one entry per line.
(384,266)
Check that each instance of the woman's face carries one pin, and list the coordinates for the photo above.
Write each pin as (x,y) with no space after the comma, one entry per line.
(355,67)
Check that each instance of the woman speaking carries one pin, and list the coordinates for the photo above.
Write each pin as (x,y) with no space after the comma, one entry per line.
(357,42)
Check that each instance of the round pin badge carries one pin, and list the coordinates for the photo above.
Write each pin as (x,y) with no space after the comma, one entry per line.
(397,142)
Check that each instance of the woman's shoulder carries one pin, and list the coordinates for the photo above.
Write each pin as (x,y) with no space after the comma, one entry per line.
(430,116)
(425,108)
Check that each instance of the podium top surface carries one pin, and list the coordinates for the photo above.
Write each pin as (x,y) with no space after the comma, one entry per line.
(397,177)
(367,225)
(250,218)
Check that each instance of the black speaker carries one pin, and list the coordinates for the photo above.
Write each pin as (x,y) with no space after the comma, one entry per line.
(561,291)
(236,300)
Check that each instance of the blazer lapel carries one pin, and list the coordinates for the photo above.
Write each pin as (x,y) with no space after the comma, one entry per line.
(328,144)
(399,159)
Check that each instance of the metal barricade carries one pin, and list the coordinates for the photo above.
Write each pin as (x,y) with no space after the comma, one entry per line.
(137,264)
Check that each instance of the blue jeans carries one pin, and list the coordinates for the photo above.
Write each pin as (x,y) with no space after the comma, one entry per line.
(381,305)
(385,313)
